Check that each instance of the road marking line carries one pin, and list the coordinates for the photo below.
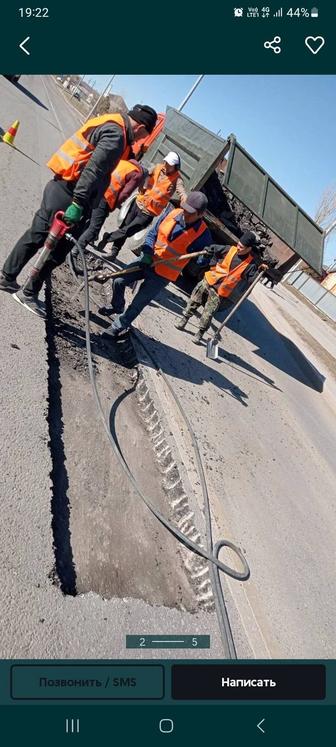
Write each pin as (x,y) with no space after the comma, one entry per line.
(80,115)
(53,108)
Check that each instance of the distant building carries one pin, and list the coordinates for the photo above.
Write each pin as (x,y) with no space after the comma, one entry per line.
(304,267)
(329,282)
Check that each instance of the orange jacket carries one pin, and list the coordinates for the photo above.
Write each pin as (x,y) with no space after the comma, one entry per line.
(118,181)
(72,157)
(230,278)
(167,249)
(159,191)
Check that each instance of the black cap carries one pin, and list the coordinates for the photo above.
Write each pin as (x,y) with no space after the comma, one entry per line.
(144,115)
(196,201)
(248,238)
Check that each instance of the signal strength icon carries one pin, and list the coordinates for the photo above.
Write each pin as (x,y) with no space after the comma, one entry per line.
(278,14)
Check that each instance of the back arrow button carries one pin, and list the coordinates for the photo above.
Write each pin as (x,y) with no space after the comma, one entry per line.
(23,43)
(260,727)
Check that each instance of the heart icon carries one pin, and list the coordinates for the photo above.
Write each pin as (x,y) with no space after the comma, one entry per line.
(314,43)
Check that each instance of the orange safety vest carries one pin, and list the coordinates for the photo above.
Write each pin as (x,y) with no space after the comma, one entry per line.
(158,193)
(72,157)
(118,181)
(167,249)
(230,278)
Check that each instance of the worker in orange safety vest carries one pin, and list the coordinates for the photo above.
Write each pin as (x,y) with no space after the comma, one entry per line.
(81,169)
(177,232)
(233,268)
(163,181)
(127,177)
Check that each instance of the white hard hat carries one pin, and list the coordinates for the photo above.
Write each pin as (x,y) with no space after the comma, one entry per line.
(173,159)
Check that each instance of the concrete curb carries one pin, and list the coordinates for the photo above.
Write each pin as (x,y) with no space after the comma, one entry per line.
(183,509)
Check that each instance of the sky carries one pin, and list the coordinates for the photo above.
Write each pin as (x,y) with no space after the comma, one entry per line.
(287,123)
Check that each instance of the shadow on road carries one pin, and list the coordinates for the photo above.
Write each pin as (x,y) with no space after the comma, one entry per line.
(118,352)
(274,347)
(24,154)
(31,96)
(244,367)
(171,361)
(182,366)
(60,504)
(2,132)
(170,301)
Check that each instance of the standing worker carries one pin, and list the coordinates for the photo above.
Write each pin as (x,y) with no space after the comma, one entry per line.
(163,181)
(82,168)
(128,176)
(177,232)
(233,269)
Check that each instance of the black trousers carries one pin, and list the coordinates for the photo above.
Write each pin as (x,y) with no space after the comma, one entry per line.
(97,220)
(135,221)
(57,195)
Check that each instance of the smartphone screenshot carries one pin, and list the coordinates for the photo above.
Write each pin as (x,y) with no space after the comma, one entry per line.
(168,374)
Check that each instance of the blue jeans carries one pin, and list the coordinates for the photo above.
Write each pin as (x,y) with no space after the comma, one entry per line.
(151,286)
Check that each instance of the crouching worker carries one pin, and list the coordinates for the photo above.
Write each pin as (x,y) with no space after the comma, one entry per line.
(128,176)
(164,179)
(177,232)
(233,269)
(82,168)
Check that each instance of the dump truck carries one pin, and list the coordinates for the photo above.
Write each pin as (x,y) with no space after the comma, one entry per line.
(241,194)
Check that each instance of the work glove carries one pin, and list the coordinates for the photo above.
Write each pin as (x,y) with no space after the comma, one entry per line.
(146,259)
(105,240)
(263,267)
(73,213)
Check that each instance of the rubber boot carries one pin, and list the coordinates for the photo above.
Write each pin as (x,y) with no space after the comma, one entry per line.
(10,286)
(198,337)
(111,253)
(182,323)
(102,243)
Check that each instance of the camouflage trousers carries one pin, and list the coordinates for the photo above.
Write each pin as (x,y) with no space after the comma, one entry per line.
(205,295)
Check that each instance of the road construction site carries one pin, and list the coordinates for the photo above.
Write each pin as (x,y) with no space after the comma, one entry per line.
(84,561)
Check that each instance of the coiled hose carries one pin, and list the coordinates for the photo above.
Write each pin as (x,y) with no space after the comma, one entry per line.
(212,552)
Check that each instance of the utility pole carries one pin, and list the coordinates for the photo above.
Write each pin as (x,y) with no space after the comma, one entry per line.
(100,98)
(190,93)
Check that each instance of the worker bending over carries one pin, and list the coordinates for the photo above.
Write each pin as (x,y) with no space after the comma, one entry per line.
(163,181)
(82,169)
(128,176)
(233,269)
(179,231)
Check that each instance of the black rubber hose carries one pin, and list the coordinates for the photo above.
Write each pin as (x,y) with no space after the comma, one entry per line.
(222,615)
(211,554)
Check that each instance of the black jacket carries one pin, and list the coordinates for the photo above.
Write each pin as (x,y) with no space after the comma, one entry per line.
(108,140)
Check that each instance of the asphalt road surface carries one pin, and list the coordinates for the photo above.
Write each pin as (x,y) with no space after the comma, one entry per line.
(267,436)
(37,619)
(264,422)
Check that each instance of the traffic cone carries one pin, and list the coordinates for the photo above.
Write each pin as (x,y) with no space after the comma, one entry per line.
(9,136)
